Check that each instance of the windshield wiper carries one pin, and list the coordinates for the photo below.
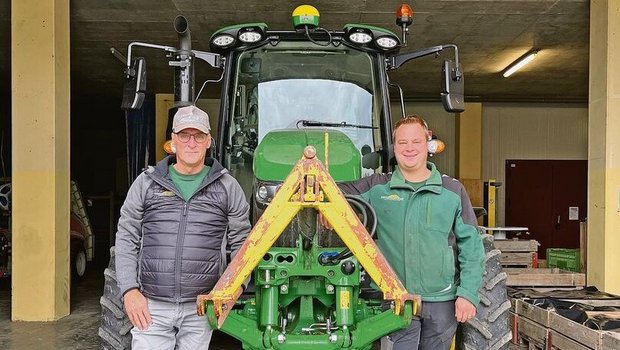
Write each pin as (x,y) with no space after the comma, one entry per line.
(305,123)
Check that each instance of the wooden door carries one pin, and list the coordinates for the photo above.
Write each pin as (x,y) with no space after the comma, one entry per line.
(549,197)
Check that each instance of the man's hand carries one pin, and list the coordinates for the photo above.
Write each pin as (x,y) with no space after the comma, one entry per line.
(464,310)
(137,309)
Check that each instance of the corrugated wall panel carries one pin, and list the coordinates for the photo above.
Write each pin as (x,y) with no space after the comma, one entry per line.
(530,131)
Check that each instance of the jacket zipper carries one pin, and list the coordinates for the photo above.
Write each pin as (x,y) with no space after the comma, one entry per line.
(181,234)
(404,233)
(180,242)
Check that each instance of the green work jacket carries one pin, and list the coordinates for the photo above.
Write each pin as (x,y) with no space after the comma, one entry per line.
(429,236)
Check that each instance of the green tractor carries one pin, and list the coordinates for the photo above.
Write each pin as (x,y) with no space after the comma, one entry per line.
(282,90)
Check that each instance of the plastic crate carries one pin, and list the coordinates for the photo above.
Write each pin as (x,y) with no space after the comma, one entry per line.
(565,259)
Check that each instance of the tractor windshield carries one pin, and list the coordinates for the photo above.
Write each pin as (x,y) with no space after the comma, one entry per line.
(305,103)
(300,85)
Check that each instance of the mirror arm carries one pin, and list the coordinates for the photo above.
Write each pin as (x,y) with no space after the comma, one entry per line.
(131,72)
(395,62)
(213,59)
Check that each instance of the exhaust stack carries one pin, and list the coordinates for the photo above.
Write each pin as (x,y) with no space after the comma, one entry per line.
(184,65)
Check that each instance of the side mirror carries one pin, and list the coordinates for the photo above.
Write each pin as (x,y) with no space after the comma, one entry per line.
(370,159)
(135,85)
(452,87)
(250,65)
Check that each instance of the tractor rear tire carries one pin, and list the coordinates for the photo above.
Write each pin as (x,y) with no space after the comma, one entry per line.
(490,329)
(115,325)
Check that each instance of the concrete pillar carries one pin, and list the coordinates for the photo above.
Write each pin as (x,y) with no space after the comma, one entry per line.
(40,152)
(603,147)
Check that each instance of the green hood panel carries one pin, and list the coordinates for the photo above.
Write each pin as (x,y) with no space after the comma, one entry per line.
(281,149)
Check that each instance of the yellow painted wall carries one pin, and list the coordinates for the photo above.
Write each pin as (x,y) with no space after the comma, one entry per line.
(604,148)
(40,153)
(469,140)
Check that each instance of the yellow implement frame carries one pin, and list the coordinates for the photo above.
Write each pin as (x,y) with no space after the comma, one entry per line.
(309,185)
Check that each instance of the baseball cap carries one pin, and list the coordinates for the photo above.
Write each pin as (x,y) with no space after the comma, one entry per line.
(191,117)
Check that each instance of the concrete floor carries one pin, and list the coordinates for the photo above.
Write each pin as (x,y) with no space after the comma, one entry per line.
(76,331)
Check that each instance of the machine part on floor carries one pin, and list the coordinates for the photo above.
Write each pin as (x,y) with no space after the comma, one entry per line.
(115,325)
(303,298)
(490,329)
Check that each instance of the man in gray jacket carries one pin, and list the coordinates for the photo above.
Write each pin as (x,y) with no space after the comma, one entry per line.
(168,246)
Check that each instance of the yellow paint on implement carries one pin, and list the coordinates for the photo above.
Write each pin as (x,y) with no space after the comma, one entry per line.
(308,185)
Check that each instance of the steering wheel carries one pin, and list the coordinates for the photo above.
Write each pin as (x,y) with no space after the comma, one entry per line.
(5,196)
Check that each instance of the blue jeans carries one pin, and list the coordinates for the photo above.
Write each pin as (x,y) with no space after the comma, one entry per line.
(174,326)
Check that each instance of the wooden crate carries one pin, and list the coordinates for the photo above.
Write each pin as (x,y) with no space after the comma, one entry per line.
(531,333)
(518,253)
(610,341)
(522,259)
(531,323)
(516,245)
(533,312)
(544,278)
(561,342)
(590,338)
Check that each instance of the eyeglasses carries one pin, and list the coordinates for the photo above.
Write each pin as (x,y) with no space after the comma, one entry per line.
(198,137)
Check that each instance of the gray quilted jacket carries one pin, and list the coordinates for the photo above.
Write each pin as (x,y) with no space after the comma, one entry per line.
(172,249)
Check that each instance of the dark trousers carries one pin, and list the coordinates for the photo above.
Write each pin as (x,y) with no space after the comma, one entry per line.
(433,330)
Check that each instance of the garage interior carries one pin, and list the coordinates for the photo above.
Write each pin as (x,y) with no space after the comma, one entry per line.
(545,136)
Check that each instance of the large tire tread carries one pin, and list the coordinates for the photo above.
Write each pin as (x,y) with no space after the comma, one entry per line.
(115,325)
(490,329)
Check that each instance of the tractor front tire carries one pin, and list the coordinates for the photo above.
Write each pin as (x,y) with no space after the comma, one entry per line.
(490,329)
(115,325)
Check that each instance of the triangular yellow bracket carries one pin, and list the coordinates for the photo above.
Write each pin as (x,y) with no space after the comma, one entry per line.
(308,185)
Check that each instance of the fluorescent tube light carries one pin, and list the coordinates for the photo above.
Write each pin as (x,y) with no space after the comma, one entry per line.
(518,64)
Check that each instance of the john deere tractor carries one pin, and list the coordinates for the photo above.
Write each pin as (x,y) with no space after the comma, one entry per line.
(301,110)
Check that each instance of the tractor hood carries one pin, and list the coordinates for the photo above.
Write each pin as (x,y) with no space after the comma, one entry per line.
(281,149)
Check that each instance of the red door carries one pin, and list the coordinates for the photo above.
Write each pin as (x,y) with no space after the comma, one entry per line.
(549,197)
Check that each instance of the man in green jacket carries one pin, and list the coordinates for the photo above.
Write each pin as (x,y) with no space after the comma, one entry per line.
(427,230)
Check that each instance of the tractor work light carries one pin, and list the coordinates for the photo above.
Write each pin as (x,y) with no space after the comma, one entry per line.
(262,193)
(306,15)
(237,35)
(250,37)
(363,35)
(360,37)
(223,40)
(386,42)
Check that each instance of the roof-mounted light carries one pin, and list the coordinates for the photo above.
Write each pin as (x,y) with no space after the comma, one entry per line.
(404,15)
(250,36)
(223,40)
(386,42)
(238,35)
(360,37)
(404,18)
(371,37)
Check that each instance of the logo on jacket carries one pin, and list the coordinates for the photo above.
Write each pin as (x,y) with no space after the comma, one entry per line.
(393,197)
(165,194)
